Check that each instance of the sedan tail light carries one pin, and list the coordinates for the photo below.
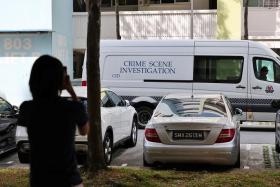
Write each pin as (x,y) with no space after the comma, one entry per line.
(151,135)
(226,135)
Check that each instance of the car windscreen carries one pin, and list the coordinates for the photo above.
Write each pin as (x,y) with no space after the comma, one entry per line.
(191,107)
(5,107)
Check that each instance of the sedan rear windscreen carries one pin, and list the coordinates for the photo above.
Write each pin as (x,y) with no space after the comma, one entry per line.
(187,107)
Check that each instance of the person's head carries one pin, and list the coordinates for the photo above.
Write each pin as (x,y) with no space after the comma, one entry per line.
(46,78)
(264,71)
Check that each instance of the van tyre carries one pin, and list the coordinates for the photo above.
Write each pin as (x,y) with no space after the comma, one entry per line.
(144,115)
(108,148)
(133,135)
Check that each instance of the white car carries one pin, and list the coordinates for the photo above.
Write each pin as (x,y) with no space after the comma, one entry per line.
(118,120)
(276,104)
(188,128)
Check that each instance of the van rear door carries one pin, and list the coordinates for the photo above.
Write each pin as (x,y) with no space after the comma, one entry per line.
(221,67)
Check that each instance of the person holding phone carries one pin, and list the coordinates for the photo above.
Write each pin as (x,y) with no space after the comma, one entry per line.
(51,123)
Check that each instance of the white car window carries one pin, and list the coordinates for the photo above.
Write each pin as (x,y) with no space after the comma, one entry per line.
(106,102)
(186,107)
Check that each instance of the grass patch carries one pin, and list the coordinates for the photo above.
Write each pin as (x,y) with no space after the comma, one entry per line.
(153,178)
(14,177)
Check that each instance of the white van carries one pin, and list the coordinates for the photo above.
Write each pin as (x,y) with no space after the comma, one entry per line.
(144,71)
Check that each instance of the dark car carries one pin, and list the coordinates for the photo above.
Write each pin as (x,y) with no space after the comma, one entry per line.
(8,124)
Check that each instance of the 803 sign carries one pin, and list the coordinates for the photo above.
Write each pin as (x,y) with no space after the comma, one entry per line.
(17,43)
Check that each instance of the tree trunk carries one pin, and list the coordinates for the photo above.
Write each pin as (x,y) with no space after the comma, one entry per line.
(117,19)
(246,20)
(95,148)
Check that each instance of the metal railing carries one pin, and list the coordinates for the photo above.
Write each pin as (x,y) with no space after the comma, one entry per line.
(168,24)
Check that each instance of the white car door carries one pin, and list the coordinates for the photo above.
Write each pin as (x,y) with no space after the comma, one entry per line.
(124,126)
(111,113)
(263,90)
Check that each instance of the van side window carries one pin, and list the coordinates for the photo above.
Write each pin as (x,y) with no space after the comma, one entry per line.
(266,69)
(218,69)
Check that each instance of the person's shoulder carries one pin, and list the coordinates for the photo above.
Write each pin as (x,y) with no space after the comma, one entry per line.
(26,104)
(69,102)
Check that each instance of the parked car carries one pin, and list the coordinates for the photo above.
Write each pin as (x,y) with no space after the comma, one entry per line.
(8,124)
(188,128)
(118,120)
(276,104)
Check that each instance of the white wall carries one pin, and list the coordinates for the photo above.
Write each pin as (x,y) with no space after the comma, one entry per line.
(26,15)
(264,22)
(263,25)
(108,28)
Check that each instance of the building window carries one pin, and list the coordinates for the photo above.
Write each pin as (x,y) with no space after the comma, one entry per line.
(212,4)
(106,3)
(79,6)
(262,3)
(167,1)
(78,60)
(178,1)
(111,3)
(131,2)
(218,69)
(155,1)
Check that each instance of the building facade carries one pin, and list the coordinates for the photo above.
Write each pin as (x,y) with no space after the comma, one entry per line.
(171,19)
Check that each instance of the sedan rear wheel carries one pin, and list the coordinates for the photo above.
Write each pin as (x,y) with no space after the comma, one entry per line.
(108,148)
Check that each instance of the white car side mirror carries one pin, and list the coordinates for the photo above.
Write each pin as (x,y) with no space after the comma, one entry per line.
(127,103)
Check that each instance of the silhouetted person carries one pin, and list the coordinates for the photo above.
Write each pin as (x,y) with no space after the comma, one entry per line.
(263,73)
(51,124)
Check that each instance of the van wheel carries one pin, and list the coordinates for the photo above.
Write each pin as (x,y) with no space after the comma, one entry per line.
(133,135)
(108,148)
(144,115)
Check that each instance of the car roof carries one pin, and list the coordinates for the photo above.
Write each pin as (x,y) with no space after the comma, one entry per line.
(189,95)
(81,91)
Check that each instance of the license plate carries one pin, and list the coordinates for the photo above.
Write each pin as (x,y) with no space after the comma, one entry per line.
(187,135)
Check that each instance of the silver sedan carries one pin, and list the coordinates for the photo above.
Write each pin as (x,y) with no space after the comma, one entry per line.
(193,129)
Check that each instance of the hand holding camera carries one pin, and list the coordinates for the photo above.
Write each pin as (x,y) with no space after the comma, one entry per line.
(67,84)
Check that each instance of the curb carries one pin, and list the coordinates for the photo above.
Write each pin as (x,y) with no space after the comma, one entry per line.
(263,126)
